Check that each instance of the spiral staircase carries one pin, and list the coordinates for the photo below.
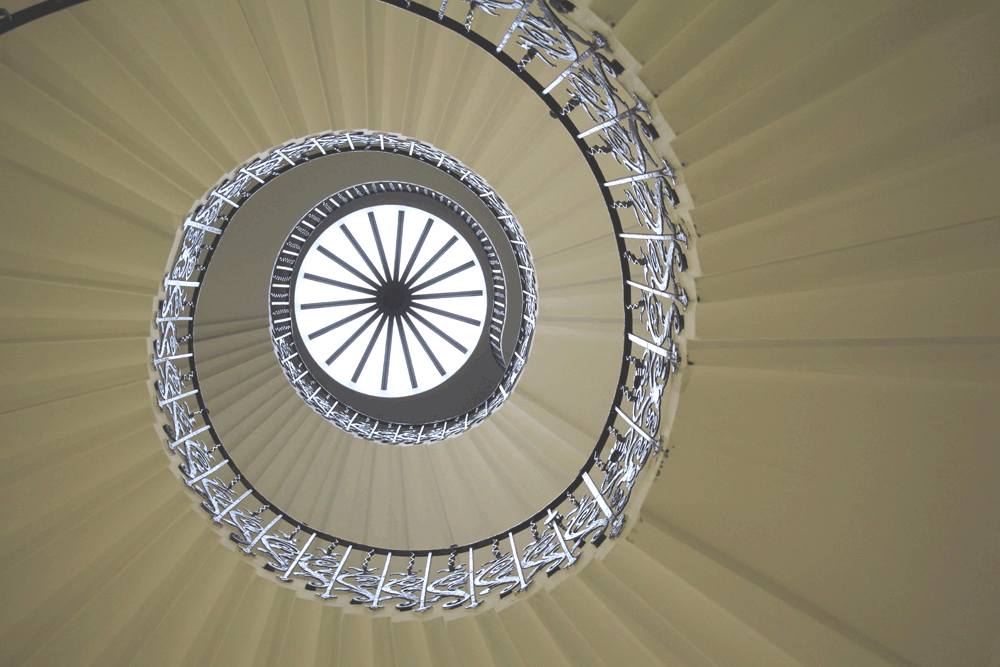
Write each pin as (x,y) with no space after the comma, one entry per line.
(830,495)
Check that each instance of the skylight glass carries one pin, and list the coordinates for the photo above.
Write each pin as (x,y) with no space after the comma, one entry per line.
(390,300)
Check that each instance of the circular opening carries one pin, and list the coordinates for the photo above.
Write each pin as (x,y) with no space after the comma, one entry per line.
(390,300)
(398,315)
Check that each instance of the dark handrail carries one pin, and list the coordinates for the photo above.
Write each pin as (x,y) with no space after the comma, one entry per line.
(10,21)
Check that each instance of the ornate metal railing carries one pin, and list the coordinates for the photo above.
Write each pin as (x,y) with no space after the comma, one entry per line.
(576,76)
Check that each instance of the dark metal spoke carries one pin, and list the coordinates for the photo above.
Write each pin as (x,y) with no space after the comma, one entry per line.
(448,295)
(357,246)
(390,293)
(378,244)
(399,244)
(354,337)
(423,320)
(347,266)
(330,304)
(368,350)
(416,249)
(447,274)
(423,344)
(349,318)
(337,283)
(388,349)
(432,261)
(406,354)
(445,313)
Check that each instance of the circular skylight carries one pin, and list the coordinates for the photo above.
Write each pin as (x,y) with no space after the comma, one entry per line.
(390,300)
(390,310)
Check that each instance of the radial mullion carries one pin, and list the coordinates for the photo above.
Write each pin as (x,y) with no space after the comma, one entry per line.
(423,344)
(399,244)
(355,272)
(354,337)
(423,320)
(445,313)
(349,318)
(448,295)
(368,350)
(406,354)
(416,249)
(331,304)
(447,274)
(432,260)
(378,244)
(398,294)
(337,283)
(364,255)
(388,350)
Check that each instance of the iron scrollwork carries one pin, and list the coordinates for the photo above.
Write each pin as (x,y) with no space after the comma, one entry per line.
(618,136)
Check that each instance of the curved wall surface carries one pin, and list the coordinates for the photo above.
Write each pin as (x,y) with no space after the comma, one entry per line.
(830,495)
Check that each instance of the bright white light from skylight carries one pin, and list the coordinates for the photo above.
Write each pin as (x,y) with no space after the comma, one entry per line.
(390,300)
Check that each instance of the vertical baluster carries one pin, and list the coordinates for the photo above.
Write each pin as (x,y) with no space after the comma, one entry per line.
(218,517)
(374,606)
(569,70)
(423,590)
(288,573)
(472,583)
(249,548)
(553,520)
(517,562)
(635,427)
(340,566)
(192,482)
(187,437)
(594,491)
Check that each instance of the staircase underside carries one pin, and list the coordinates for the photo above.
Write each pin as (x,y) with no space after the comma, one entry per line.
(830,494)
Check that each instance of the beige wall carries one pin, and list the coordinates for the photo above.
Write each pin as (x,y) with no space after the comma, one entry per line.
(835,445)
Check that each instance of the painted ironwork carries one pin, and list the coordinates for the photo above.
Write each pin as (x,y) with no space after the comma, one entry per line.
(366,306)
(575,75)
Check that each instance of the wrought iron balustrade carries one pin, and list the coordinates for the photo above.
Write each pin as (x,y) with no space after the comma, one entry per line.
(576,75)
